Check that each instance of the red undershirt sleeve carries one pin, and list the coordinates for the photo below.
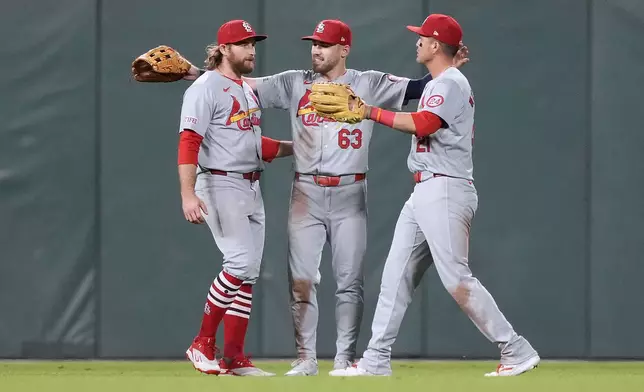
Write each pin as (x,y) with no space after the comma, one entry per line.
(426,123)
(189,143)
(270,148)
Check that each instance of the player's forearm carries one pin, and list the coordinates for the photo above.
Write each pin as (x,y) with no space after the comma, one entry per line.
(420,124)
(404,123)
(187,178)
(397,120)
(285,149)
(272,148)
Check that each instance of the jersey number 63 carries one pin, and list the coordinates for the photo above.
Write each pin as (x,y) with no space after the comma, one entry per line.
(347,138)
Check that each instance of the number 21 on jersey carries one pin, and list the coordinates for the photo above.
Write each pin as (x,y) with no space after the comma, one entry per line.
(422,144)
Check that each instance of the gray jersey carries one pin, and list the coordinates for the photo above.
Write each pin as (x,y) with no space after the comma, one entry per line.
(324,146)
(449,150)
(227,115)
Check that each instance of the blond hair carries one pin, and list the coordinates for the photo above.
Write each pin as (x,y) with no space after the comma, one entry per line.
(214,56)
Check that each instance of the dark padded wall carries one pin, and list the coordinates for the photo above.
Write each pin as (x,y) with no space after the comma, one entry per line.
(617,240)
(97,260)
(47,179)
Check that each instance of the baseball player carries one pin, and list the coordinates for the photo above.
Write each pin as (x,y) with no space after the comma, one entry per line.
(328,198)
(221,149)
(434,224)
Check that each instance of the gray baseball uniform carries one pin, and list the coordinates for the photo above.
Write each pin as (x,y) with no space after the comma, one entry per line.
(434,227)
(227,114)
(328,198)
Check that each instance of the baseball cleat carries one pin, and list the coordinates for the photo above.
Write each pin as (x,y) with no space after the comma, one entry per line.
(515,370)
(353,371)
(304,367)
(341,364)
(202,355)
(242,366)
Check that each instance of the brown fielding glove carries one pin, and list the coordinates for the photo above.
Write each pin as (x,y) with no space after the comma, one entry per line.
(161,64)
(337,101)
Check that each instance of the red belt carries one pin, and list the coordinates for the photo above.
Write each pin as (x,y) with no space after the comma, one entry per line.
(252,176)
(418,176)
(332,180)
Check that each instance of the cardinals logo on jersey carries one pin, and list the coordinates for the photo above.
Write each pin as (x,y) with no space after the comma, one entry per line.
(309,116)
(245,120)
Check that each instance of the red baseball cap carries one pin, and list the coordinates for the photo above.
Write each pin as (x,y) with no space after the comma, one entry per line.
(236,31)
(331,31)
(442,27)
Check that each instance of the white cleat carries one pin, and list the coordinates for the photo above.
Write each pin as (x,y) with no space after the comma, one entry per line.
(340,364)
(304,367)
(242,366)
(515,370)
(249,372)
(353,371)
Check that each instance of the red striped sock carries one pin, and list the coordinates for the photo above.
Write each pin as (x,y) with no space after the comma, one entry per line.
(222,293)
(236,322)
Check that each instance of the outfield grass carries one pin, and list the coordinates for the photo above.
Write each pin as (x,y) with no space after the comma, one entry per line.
(90,376)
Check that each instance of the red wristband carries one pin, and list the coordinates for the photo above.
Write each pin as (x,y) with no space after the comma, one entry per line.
(384,117)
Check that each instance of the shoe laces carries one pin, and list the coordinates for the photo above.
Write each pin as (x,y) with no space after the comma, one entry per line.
(207,346)
(244,361)
(502,367)
(299,362)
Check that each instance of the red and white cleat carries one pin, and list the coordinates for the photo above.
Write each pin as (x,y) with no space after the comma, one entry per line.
(202,355)
(242,366)
(515,370)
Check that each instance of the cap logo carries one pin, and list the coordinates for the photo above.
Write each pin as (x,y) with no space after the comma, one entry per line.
(320,28)
(435,32)
(247,27)
(342,39)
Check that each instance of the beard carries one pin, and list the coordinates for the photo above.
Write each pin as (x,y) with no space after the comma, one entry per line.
(321,66)
(243,66)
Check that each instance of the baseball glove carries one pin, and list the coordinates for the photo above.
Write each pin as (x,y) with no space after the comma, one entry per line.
(337,101)
(161,64)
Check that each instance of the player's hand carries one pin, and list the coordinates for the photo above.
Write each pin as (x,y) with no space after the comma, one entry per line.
(193,206)
(192,74)
(462,56)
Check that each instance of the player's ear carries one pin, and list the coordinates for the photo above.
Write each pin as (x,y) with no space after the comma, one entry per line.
(434,45)
(346,49)
(437,45)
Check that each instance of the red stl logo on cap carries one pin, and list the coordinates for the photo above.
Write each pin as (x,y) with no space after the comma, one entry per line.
(444,28)
(331,31)
(236,31)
